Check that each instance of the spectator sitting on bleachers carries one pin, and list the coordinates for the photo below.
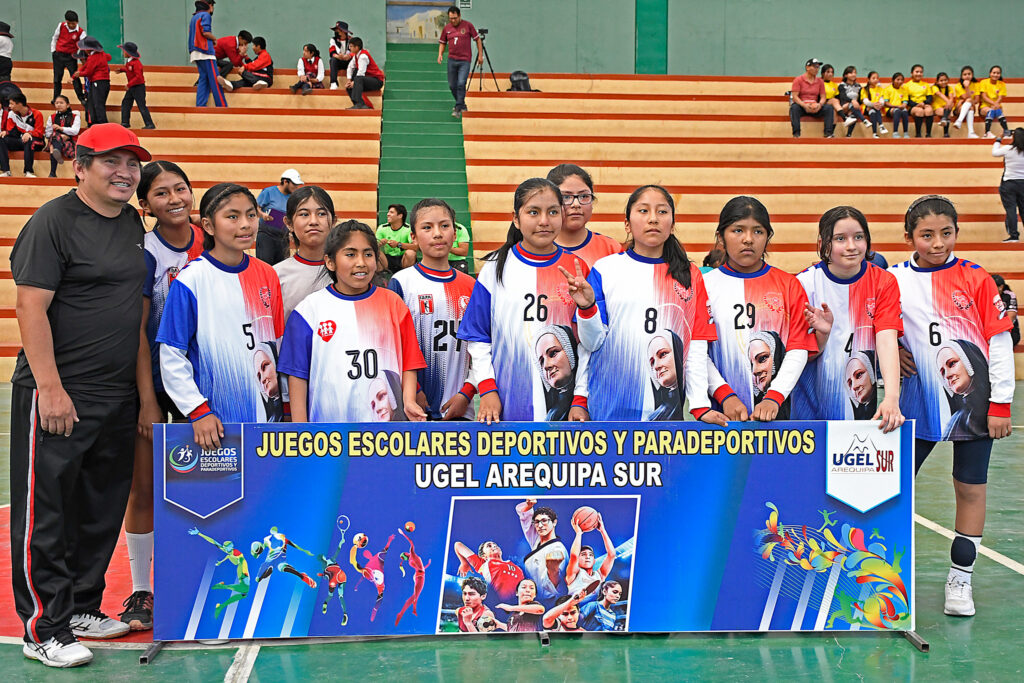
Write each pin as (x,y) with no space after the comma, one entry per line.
(807,97)
(965,93)
(1010,304)
(363,74)
(457,257)
(849,100)
(942,100)
(257,73)
(310,70)
(6,51)
(828,72)
(62,129)
(231,52)
(24,130)
(896,105)
(713,259)
(919,100)
(871,96)
(991,93)
(338,51)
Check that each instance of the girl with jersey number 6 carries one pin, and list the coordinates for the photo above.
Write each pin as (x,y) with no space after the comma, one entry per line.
(520,372)
(763,340)
(350,350)
(221,309)
(854,309)
(644,316)
(957,363)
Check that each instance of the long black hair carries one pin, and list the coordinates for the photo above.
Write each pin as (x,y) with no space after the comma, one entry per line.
(672,251)
(526,189)
(312,50)
(928,205)
(739,208)
(1018,140)
(341,234)
(214,198)
(827,227)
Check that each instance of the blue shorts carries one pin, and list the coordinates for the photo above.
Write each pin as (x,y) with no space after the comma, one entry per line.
(970,459)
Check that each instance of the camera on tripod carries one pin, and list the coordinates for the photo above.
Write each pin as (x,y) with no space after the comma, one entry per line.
(482,31)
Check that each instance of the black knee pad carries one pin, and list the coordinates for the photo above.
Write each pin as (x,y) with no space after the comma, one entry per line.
(963,552)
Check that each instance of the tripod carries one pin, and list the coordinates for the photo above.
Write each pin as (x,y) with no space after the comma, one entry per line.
(478,66)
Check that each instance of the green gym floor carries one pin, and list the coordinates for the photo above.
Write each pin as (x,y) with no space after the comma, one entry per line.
(986,647)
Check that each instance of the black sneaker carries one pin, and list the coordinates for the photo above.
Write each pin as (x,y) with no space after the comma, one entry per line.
(138,611)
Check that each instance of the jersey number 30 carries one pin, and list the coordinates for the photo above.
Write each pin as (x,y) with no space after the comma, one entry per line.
(364,364)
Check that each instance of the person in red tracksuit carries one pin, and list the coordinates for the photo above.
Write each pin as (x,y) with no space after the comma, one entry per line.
(231,52)
(310,70)
(136,87)
(363,75)
(97,70)
(256,74)
(24,130)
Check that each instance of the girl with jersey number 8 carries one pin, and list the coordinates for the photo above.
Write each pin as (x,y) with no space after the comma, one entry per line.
(219,311)
(518,296)
(957,363)
(854,309)
(762,338)
(644,317)
(350,350)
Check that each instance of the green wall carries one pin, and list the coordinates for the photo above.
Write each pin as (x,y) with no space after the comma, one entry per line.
(160,27)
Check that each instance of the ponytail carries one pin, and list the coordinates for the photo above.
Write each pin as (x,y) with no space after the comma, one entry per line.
(512,237)
(526,189)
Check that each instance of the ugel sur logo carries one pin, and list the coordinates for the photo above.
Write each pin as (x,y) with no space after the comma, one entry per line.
(863,455)
(182,458)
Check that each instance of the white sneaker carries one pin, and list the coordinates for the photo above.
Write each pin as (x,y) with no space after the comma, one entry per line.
(959,598)
(259,85)
(990,134)
(30,175)
(334,86)
(97,625)
(874,135)
(225,83)
(867,124)
(957,124)
(61,651)
(895,135)
(5,174)
(882,129)
(850,120)
(972,135)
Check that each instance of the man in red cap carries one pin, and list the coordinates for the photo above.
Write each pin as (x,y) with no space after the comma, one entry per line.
(79,268)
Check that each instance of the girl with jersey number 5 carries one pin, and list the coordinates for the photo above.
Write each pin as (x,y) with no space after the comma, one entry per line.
(957,364)
(221,308)
(763,340)
(349,350)
(644,316)
(854,309)
(519,296)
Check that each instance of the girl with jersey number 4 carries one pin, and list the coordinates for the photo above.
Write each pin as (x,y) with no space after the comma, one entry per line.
(957,364)
(526,362)
(854,309)
(644,316)
(350,350)
(763,341)
(221,322)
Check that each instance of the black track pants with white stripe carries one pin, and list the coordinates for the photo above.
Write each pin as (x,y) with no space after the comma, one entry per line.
(68,497)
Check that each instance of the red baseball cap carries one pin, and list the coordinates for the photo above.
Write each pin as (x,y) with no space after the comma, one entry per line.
(106,137)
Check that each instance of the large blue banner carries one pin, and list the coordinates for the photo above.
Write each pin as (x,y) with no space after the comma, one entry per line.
(331,530)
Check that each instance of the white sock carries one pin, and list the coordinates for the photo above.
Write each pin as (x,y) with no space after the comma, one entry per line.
(960,575)
(970,119)
(964,108)
(140,558)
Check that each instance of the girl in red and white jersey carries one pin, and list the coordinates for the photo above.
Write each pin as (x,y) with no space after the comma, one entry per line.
(957,362)
(578,198)
(854,309)
(62,129)
(310,70)
(758,310)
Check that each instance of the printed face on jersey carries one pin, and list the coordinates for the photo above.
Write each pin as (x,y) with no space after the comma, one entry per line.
(527,591)
(662,360)
(576,213)
(354,264)
(111,178)
(650,223)
(554,361)
(953,371)
(933,239)
(858,380)
(434,232)
(234,225)
(169,200)
(849,247)
(266,372)
(540,221)
(311,224)
(745,242)
(382,404)
(760,364)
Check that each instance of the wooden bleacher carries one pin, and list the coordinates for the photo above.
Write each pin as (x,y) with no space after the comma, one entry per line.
(706,147)
(259,135)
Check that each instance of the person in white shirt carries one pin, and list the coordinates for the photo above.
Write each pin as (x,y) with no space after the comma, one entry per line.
(1011,187)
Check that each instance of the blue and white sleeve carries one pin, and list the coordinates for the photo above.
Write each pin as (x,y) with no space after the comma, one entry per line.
(592,324)
(296,347)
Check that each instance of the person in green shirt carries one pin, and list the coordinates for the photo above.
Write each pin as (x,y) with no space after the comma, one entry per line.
(395,237)
(460,250)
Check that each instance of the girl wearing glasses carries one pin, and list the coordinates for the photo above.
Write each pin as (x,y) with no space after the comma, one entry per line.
(577,190)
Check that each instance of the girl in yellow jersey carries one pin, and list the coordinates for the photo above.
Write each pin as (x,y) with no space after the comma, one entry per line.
(965,93)
(896,103)
(991,93)
(919,100)
(828,72)
(942,100)
(873,102)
